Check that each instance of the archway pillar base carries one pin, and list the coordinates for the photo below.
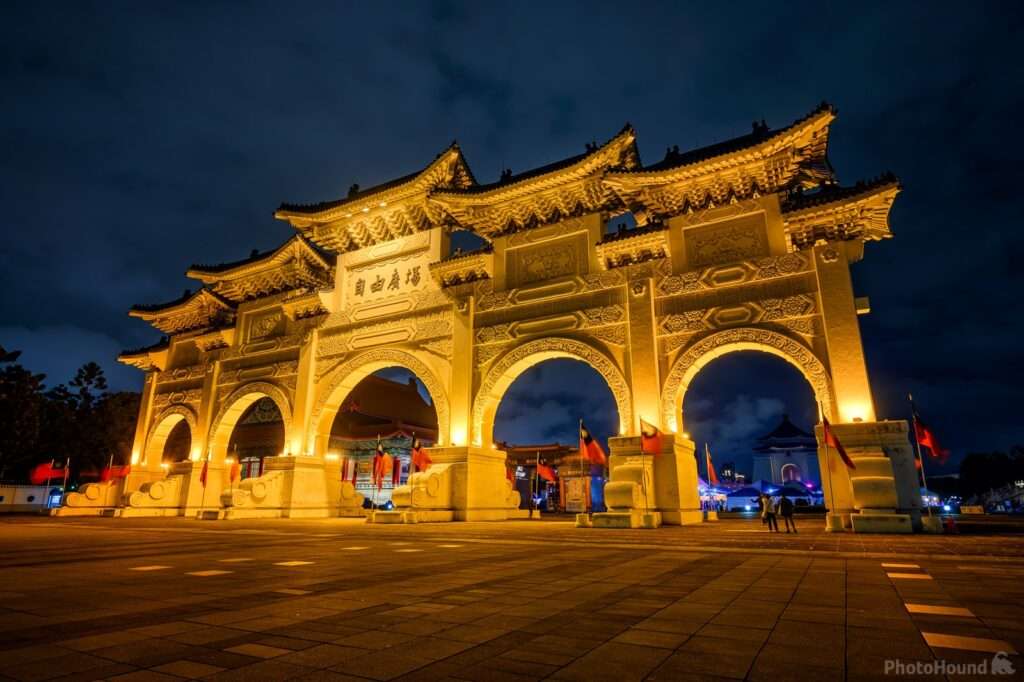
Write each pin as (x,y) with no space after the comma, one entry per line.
(463,484)
(646,490)
(292,487)
(882,495)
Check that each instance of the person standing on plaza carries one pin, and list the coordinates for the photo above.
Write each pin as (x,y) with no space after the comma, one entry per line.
(768,510)
(786,511)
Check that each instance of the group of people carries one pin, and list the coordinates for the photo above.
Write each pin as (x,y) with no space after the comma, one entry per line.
(772,508)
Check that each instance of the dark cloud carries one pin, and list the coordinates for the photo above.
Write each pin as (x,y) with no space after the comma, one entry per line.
(139,138)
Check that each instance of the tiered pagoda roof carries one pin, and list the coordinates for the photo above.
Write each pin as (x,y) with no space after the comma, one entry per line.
(381,213)
(296,264)
(786,436)
(790,162)
(833,212)
(203,309)
(761,162)
(543,195)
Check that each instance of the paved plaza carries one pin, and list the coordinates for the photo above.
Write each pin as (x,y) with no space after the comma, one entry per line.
(336,599)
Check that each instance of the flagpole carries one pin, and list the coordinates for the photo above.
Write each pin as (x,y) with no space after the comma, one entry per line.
(535,485)
(917,447)
(64,488)
(46,493)
(828,465)
(202,502)
(579,431)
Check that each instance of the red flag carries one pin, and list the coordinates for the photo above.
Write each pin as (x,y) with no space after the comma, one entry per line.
(385,464)
(204,472)
(509,474)
(420,459)
(44,472)
(355,470)
(114,472)
(831,439)
(378,455)
(236,471)
(396,472)
(712,474)
(590,448)
(650,438)
(546,472)
(926,438)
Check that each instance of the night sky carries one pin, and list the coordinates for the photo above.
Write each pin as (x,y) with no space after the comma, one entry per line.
(139,138)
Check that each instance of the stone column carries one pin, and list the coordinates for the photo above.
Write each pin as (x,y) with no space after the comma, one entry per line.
(461,379)
(842,331)
(143,471)
(642,355)
(207,409)
(302,403)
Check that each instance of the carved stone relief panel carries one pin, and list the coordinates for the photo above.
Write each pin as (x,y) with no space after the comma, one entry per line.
(544,261)
(741,238)
(267,324)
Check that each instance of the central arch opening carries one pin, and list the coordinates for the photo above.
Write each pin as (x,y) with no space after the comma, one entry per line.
(755,413)
(178,446)
(394,405)
(537,421)
(258,434)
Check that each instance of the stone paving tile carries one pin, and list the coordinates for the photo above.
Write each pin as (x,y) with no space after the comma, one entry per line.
(143,676)
(602,611)
(48,668)
(695,665)
(323,656)
(614,661)
(377,667)
(264,671)
(188,669)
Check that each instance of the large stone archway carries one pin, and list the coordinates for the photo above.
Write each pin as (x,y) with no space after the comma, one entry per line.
(518,360)
(340,382)
(695,358)
(235,405)
(163,424)
(749,248)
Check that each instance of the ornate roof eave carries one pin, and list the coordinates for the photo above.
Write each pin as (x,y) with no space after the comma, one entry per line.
(297,245)
(860,212)
(464,268)
(541,196)
(633,246)
(380,213)
(295,264)
(188,313)
(147,359)
(795,154)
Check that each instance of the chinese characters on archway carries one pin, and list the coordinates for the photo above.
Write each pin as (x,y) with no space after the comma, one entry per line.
(388,282)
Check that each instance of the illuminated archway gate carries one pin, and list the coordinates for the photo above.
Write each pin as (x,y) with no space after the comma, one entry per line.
(746,245)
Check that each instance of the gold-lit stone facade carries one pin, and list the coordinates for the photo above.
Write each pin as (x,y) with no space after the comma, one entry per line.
(745,245)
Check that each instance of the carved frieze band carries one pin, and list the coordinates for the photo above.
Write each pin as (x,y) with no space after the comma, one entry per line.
(751,312)
(421,328)
(190,372)
(581,319)
(259,346)
(769,267)
(487,299)
(192,395)
(274,369)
